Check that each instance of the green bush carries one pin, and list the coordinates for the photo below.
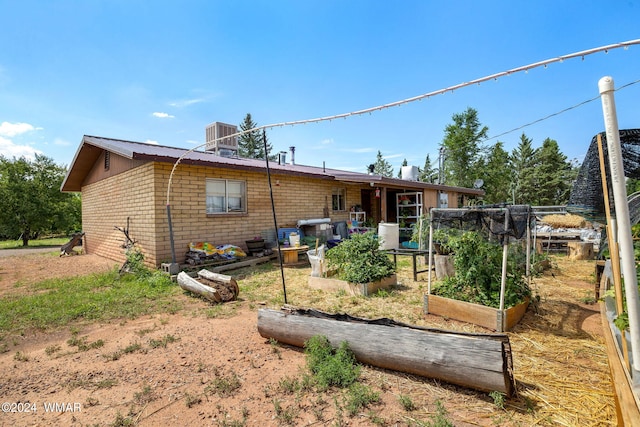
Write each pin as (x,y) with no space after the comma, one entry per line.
(360,260)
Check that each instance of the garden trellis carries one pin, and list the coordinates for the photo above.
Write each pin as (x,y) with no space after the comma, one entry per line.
(505,224)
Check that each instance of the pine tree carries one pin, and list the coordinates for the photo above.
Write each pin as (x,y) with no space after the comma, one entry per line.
(523,167)
(428,173)
(382,167)
(553,175)
(497,176)
(251,144)
(463,149)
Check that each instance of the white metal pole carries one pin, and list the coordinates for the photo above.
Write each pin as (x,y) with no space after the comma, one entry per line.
(625,238)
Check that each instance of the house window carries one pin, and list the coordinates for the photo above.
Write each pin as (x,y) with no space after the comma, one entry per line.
(225,195)
(338,199)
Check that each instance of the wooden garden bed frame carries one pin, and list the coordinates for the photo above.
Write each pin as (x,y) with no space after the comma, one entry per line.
(366,289)
(481,315)
(500,319)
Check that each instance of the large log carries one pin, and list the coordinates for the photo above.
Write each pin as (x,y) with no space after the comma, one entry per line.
(478,361)
(190,284)
(215,280)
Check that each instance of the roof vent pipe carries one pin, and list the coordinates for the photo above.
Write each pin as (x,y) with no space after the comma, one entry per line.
(292,150)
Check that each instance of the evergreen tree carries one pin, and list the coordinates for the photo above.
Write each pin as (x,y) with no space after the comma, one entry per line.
(496,176)
(553,175)
(251,144)
(523,167)
(404,163)
(382,167)
(428,173)
(463,149)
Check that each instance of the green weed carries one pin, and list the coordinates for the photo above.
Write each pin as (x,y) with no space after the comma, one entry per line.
(52,349)
(498,399)
(224,385)
(359,397)
(145,396)
(406,402)
(191,399)
(163,342)
(20,357)
(329,367)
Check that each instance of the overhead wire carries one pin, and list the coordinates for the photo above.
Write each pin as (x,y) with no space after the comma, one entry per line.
(580,104)
(453,88)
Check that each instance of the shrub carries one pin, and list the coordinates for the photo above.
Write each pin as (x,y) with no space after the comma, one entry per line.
(360,260)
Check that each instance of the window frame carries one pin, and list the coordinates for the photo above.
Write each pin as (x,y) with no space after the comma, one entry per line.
(339,194)
(241,194)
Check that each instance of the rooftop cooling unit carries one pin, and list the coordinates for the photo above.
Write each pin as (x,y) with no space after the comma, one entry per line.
(222,147)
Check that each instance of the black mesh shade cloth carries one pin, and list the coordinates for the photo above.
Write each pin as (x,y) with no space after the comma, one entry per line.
(511,220)
(587,196)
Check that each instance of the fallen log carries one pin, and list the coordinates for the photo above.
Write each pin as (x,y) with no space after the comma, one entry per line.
(190,284)
(479,361)
(225,285)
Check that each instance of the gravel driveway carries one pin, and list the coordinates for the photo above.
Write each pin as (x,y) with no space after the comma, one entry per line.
(26,251)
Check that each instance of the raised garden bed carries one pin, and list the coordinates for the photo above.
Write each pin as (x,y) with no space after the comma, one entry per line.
(481,315)
(366,289)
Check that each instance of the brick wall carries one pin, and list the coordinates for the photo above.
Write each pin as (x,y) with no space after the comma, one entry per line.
(140,194)
(109,202)
(294,198)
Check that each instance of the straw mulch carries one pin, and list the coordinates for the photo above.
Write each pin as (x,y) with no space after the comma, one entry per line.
(560,358)
(559,355)
(565,221)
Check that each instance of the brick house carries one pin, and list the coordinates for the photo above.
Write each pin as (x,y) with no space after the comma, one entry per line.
(215,198)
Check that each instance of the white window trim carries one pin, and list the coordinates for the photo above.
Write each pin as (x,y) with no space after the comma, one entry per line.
(340,192)
(227,210)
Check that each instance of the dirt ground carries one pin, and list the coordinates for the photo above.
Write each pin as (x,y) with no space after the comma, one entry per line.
(174,382)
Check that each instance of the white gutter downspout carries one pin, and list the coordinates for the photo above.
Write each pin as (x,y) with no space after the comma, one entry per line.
(625,238)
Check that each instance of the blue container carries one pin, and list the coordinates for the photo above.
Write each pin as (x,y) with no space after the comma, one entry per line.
(283,233)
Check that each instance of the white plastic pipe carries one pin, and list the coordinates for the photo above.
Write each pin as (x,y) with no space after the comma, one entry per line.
(625,238)
(430,253)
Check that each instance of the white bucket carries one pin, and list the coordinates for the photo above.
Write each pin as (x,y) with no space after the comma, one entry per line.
(294,239)
(389,235)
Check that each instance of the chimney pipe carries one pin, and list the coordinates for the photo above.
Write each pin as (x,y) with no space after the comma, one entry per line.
(293,153)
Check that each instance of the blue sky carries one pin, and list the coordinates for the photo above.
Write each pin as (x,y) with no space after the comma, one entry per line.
(160,71)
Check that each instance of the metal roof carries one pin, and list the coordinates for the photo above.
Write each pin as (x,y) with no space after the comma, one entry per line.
(92,146)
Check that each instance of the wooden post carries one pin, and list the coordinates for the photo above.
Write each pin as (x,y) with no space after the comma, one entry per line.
(613,246)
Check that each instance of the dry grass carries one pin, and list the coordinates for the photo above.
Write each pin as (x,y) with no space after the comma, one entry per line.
(560,361)
(565,221)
